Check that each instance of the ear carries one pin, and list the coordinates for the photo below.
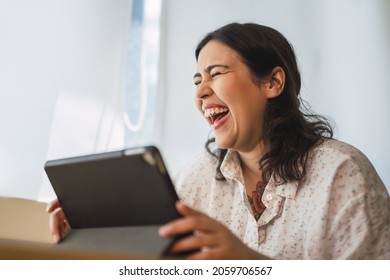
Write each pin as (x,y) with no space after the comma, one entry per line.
(275,82)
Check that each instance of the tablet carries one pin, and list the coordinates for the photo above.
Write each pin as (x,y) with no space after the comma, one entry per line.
(130,187)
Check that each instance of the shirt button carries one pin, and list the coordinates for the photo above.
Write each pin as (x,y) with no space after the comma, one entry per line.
(269,197)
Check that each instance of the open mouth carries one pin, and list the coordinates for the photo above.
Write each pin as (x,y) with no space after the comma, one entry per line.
(215,114)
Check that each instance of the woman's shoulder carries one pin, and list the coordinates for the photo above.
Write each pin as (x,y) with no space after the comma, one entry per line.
(338,160)
(335,150)
(352,195)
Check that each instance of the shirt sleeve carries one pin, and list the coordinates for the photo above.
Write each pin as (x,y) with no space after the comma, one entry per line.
(359,213)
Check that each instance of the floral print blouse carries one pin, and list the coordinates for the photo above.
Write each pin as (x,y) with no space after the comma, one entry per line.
(341,210)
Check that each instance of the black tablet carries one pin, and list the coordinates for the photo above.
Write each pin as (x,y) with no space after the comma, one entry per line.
(129,187)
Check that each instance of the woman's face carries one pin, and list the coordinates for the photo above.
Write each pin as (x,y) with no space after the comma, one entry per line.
(227,96)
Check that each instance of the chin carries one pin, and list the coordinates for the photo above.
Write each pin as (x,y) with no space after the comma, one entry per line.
(222,144)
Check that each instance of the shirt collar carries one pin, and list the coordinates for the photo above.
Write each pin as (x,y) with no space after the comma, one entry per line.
(288,189)
(231,169)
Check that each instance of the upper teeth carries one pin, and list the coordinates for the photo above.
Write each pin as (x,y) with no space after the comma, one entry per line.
(214,111)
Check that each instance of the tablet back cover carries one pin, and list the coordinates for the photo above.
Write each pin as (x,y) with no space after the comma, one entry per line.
(122,188)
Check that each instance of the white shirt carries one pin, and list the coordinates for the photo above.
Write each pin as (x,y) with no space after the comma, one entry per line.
(341,210)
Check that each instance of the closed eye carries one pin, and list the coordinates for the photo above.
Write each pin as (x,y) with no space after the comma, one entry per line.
(215,74)
(197,82)
(197,79)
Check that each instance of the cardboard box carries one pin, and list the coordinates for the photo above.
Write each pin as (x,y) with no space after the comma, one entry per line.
(24,220)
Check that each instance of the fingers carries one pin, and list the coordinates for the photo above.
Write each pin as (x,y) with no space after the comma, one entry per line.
(191,243)
(185,210)
(192,221)
(205,255)
(57,220)
(210,239)
(58,224)
(207,232)
(52,205)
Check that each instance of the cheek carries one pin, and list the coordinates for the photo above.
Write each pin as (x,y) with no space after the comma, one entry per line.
(245,94)
(249,106)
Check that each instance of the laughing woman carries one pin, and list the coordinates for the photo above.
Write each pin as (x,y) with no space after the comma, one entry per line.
(272,183)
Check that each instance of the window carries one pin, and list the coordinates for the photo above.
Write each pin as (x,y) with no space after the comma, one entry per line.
(110,103)
(141,73)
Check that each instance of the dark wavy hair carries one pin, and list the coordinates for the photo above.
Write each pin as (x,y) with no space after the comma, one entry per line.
(290,129)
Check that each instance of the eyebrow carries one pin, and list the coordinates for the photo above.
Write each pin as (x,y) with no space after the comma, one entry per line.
(209,68)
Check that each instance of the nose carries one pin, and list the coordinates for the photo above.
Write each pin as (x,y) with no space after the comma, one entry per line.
(203,91)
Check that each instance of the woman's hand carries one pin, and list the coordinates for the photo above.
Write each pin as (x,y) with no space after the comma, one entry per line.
(211,240)
(57,221)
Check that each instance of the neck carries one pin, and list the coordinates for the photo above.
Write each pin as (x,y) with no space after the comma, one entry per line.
(250,166)
(250,158)
(250,163)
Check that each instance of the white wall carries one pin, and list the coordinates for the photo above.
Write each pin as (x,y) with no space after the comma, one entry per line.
(53,50)
(343,48)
